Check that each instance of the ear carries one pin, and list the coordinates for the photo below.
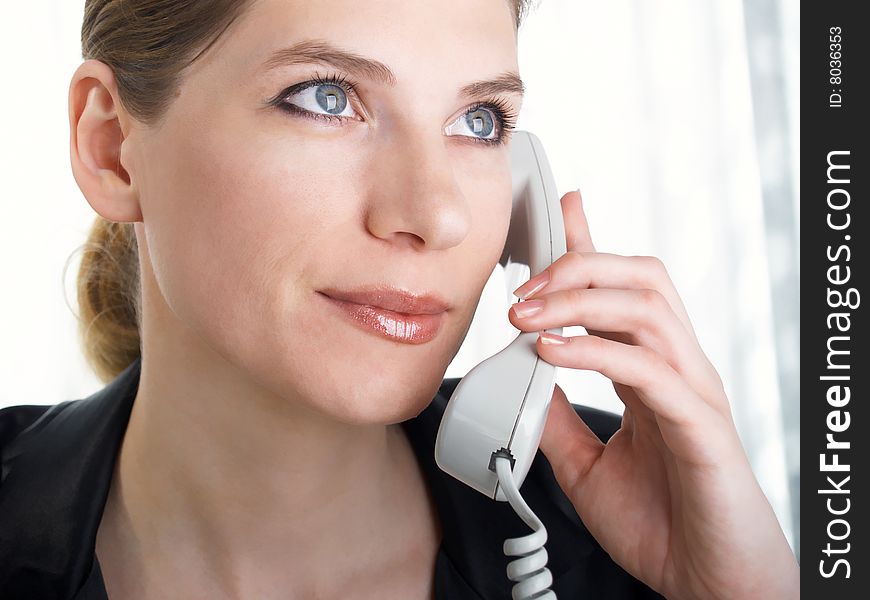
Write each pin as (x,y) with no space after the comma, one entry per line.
(99,127)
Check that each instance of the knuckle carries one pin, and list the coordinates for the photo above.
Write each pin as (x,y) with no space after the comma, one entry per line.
(655,270)
(651,299)
(653,365)
(654,263)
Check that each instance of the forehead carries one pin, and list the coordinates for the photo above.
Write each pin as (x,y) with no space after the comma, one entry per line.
(450,39)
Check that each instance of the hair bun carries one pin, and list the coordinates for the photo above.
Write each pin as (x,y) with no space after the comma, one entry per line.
(109,298)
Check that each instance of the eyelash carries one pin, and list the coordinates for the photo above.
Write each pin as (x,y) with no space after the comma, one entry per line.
(505,116)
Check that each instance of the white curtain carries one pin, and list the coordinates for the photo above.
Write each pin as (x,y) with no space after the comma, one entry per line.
(677,120)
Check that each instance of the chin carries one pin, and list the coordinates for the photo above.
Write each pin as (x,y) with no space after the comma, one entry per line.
(362,397)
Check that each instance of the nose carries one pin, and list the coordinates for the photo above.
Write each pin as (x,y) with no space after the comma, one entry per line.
(415,199)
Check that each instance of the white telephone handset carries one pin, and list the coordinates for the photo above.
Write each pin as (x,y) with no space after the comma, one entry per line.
(499,408)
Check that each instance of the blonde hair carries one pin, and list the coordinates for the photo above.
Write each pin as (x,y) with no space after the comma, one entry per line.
(148,44)
(109,298)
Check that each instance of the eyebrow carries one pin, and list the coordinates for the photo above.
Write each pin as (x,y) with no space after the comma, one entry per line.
(321,51)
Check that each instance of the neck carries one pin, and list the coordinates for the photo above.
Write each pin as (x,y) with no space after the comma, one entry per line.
(254,489)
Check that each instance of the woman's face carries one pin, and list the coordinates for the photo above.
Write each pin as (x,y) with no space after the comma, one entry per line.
(249,209)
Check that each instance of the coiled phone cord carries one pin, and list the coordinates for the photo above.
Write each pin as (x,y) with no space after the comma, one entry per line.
(529,571)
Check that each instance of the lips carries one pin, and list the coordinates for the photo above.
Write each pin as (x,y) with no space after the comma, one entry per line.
(393,299)
(393,314)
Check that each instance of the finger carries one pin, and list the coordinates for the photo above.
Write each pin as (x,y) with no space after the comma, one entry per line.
(689,426)
(644,315)
(606,270)
(570,446)
(577,236)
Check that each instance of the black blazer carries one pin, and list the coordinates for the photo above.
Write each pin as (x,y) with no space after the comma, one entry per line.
(57,463)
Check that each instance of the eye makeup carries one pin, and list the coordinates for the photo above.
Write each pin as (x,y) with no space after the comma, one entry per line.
(504,116)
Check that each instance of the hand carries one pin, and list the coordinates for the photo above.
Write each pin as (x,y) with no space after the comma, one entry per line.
(671,496)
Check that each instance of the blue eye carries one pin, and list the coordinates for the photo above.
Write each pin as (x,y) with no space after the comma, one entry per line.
(493,119)
(328,95)
(479,120)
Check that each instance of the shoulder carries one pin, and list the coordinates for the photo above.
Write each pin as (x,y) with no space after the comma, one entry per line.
(15,419)
(17,422)
(57,463)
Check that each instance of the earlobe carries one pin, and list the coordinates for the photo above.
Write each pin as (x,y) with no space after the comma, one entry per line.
(96,140)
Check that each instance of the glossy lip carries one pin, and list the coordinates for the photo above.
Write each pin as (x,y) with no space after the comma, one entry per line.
(392,299)
(373,310)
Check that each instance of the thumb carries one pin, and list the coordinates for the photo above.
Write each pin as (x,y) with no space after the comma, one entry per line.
(569,445)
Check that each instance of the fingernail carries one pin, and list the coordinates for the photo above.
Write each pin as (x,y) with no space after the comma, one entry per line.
(533,285)
(552,338)
(527,308)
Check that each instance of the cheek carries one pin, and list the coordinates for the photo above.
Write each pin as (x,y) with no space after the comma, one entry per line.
(491,212)
(235,229)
